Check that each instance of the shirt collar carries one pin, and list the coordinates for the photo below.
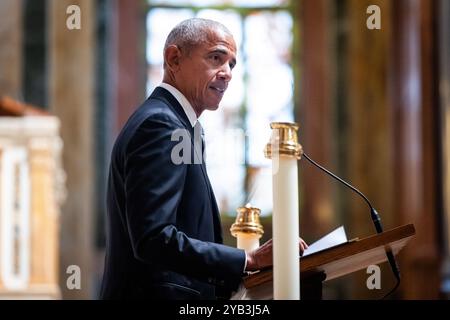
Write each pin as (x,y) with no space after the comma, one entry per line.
(185,104)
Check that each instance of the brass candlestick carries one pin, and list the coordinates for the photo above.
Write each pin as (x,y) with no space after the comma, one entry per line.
(247,228)
(284,140)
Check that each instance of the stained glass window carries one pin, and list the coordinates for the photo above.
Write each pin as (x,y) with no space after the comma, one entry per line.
(261,91)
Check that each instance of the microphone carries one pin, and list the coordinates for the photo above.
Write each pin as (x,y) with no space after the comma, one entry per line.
(375,219)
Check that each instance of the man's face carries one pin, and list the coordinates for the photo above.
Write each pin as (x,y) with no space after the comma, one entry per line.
(205,72)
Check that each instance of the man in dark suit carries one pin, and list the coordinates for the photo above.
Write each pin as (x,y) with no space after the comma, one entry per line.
(164,236)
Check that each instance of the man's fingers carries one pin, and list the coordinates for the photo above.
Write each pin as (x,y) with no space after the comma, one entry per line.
(304,244)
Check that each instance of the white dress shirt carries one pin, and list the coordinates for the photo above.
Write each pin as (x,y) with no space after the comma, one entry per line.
(185,104)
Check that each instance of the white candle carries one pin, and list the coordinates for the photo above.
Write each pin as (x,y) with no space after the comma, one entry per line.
(286,265)
(248,241)
(285,151)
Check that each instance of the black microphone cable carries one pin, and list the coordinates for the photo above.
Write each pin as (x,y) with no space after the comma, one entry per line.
(375,219)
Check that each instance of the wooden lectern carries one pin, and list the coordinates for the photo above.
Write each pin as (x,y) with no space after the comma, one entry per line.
(333,262)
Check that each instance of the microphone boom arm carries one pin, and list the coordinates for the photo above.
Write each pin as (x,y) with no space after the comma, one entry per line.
(375,219)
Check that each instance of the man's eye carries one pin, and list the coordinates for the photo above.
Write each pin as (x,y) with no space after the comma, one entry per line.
(215,57)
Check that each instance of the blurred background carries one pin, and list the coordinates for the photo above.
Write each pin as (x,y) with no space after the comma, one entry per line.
(373,106)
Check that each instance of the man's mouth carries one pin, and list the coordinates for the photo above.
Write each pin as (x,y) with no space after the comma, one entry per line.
(221,90)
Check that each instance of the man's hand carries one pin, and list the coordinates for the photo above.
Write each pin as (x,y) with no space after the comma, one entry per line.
(262,257)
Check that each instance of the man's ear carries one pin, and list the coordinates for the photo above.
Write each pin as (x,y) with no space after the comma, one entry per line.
(172,56)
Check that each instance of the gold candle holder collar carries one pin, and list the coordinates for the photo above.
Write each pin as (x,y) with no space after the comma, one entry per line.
(247,221)
(284,140)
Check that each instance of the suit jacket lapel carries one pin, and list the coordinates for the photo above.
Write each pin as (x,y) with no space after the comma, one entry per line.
(169,99)
(164,95)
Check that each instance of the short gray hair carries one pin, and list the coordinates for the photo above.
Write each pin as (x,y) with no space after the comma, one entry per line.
(189,33)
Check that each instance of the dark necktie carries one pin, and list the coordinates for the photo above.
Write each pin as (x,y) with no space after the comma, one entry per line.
(199,142)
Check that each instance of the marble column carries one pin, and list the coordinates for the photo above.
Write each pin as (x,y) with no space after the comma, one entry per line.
(11,49)
(445,141)
(368,148)
(413,95)
(72,85)
(314,115)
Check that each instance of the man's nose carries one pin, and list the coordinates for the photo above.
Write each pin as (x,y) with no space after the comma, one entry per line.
(225,72)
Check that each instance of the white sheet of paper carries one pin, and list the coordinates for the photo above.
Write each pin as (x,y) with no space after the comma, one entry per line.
(332,239)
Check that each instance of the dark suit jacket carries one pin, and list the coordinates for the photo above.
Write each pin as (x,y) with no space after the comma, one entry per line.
(163,225)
